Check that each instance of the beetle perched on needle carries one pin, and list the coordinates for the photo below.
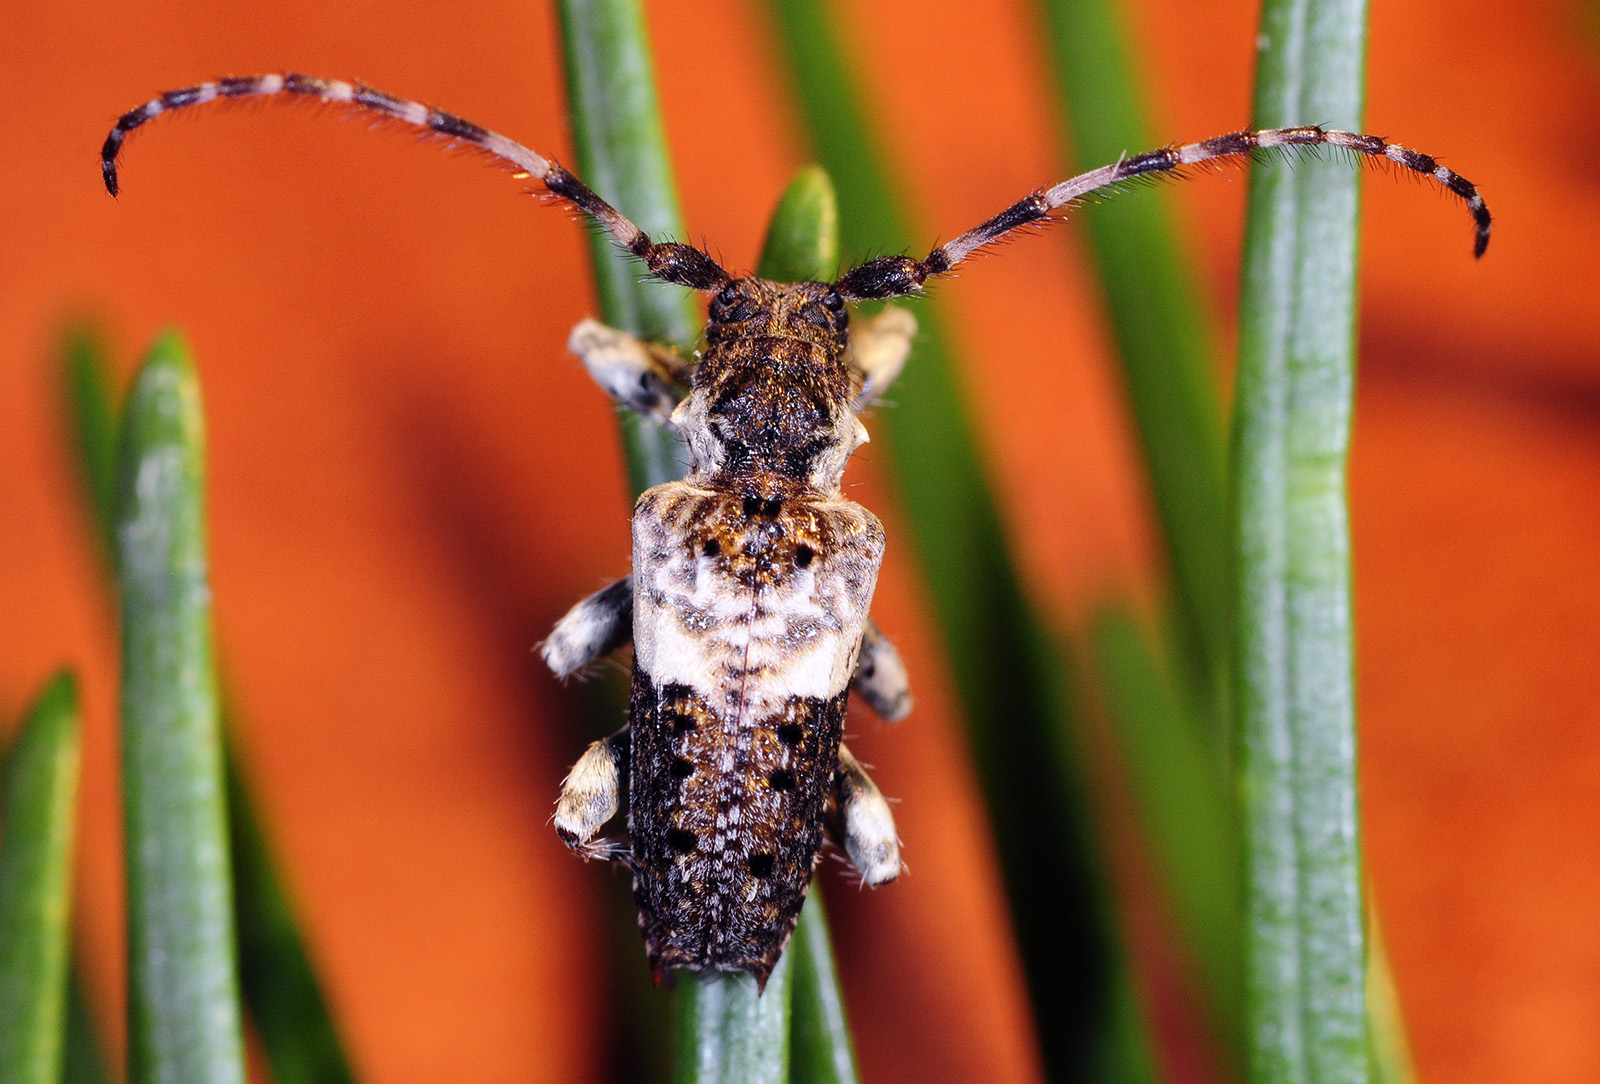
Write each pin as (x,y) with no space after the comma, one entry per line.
(752,578)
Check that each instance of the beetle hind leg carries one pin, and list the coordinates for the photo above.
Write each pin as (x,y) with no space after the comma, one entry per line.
(862,825)
(591,795)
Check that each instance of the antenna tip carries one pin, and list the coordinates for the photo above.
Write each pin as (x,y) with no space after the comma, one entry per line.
(108,159)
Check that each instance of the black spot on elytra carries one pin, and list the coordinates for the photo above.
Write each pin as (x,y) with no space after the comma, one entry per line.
(681,841)
(711,548)
(682,724)
(781,779)
(790,733)
(803,555)
(681,768)
(761,864)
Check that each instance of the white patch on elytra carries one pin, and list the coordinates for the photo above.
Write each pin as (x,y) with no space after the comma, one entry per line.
(750,651)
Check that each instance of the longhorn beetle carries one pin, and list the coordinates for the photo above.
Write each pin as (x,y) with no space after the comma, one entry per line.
(752,578)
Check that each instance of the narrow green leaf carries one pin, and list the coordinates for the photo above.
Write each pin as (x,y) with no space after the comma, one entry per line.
(92,428)
(91,405)
(276,978)
(819,1038)
(1305,949)
(1182,803)
(1175,748)
(802,242)
(38,807)
(729,1032)
(278,983)
(622,156)
(1388,1049)
(1162,338)
(183,985)
(83,1061)
(1014,687)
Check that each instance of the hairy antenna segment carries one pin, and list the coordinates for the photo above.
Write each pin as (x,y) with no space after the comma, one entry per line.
(894,276)
(684,265)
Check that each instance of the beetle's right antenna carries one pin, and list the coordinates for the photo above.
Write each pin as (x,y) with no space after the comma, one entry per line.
(897,276)
(669,261)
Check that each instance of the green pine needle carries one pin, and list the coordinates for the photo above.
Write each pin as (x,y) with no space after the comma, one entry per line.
(183,996)
(1305,1005)
(38,806)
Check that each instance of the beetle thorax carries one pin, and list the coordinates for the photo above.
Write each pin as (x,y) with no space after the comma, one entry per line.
(771,412)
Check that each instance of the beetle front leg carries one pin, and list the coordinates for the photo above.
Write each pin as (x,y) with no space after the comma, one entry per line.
(593,628)
(879,346)
(647,378)
(861,824)
(591,795)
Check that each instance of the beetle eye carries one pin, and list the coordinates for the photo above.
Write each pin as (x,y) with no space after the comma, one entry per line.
(731,304)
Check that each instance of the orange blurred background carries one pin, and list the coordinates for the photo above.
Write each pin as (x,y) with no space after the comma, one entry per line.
(411,480)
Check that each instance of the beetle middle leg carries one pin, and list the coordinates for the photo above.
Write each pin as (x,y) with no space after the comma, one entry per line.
(645,377)
(591,795)
(595,627)
(860,822)
(880,678)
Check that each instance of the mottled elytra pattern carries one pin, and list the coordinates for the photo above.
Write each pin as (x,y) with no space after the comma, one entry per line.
(748,607)
(753,577)
(722,855)
(749,612)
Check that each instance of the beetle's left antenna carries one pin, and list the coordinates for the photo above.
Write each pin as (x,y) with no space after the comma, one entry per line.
(668,261)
